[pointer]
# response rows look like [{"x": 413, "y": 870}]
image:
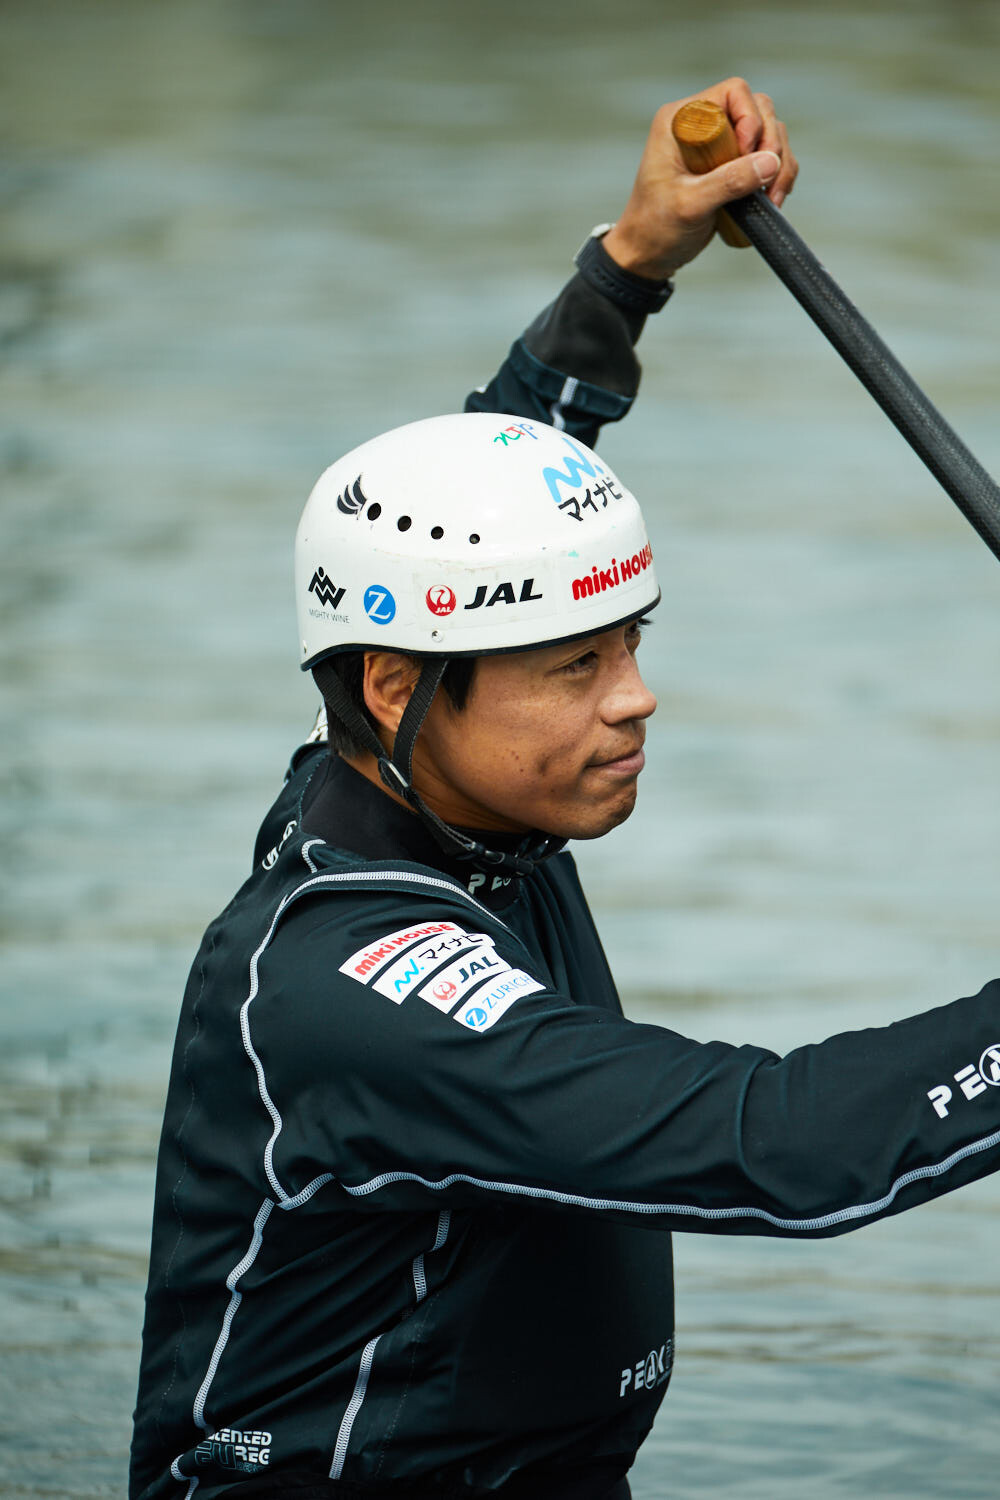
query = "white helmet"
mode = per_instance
[{"x": 468, "y": 535}]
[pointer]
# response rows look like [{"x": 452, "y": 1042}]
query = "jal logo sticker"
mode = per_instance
[
  {"x": 380, "y": 606},
  {"x": 326, "y": 592},
  {"x": 441, "y": 599},
  {"x": 464, "y": 975},
  {"x": 971, "y": 1080},
  {"x": 441, "y": 993},
  {"x": 504, "y": 594},
  {"x": 493, "y": 1001}
]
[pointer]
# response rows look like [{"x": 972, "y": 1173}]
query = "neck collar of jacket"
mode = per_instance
[{"x": 347, "y": 810}]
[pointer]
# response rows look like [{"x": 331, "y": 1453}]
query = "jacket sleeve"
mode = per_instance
[
  {"x": 409, "y": 1098},
  {"x": 574, "y": 367}
]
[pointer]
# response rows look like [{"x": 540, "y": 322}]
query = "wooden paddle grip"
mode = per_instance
[{"x": 707, "y": 140}]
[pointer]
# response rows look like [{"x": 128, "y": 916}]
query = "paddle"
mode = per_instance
[{"x": 706, "y": 140}]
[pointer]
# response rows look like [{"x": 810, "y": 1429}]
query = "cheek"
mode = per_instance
[{"x": 544, "y": 755}]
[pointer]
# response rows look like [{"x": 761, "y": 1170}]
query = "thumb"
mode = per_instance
[
  {"x": 735, "y": 179},
  {"x": 750, "y": 173}
]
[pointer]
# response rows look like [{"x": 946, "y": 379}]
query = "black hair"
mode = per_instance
[{"x": 350, "y": 668}]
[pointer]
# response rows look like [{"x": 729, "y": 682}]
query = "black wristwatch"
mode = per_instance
[{"x": 635, "y": 293}]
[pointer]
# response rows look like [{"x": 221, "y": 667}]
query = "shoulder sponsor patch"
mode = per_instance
[
  {"x": 403, "y": 976},
  {"x": 489, "y": 1003},
  {"x": 459, "y": 973},
  {"x": 367, "y": 961},
  {"x": 455, "y": 982}
]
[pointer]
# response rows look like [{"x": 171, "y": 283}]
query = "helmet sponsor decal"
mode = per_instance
[
  {"x": 583, "y": 498},
  {"x": 353, "y": 499},
  {"x": 575, "y": 506},
  {"x": 380, "y": 606},
  {"x": 598, "y": 580},
  {"x": 325, "y": 591},
  {"x": 491, "y": 1001},
  {"x": 512, "y": 433},
  {"x": 504, "y": 594},
  {"x": 577, "y": 464},
  {"x": 441, "y": 599}
]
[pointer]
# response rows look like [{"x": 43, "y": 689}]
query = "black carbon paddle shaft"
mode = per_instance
[{"x": 962, "y": 477}]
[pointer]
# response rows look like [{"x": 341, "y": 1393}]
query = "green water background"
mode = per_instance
[{"x": 239, "y": 238}]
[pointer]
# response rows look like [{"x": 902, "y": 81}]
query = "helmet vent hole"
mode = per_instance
[
  {"x": 474, "y": 538},
  {"x": 437, "y": 532},
  {"x": 374, "y": 511},
  {"x": 404, "y": 523}
]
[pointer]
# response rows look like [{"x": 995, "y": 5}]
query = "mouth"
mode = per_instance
[{"x": 629, "y": 764}]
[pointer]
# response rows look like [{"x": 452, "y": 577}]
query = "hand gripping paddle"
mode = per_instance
[{"x": 706, "y": 140}]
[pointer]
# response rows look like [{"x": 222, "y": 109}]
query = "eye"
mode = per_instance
[
  {"x": 634, "y": 633},
  {"x": 581, "y": 663}
]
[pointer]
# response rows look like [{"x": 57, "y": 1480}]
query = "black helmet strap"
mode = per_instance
[{"x": 396, "y": 770}]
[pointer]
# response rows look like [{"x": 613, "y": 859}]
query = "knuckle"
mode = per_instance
[{"x": 735, "y": 176}]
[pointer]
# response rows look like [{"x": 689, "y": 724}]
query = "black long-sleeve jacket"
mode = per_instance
[{"x": 418, "y": 1173}]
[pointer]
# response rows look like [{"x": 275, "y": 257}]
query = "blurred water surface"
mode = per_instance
[{"x": 241, "y": 237}]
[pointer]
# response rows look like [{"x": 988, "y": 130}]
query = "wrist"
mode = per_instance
[
  {"x": 636, "y": 258},
  {"x": 620, "y": 283}
]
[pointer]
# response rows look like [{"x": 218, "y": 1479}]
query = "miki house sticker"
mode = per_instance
[{"x": 367, "y": 962}]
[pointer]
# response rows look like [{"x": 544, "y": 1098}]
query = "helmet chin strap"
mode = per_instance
[{"x": 396, "y": 772}]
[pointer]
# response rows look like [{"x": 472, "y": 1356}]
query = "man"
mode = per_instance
[{"x": 417, "y": 1173}]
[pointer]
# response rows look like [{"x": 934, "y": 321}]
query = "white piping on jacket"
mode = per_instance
[
  {"x": 419, "y": 1278},
  {"x": 736, "y": 1211}
]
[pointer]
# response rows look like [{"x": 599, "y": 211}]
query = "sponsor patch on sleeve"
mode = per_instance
[
  {"x": 489, "y": 1003},
  {"x": 459, "y": 973},
  {"x": 367, "y": 962},
  {"x": 465, "y": 974}
]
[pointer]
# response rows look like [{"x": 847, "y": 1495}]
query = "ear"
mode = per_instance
[{"x": 389, "y": 680}]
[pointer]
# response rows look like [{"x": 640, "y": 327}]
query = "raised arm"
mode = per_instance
[{"x": 575, "y": 365}]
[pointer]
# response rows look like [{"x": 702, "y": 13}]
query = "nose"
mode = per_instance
[{"x": 628, "y": 696}]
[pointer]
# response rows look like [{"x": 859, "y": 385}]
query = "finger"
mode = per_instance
[
  {"x": 772, "y": 129},
  {"x": 735, "y": 179},
  {"x": 774, "y": 137},
  {"x": 735, "y": 96},
  {"x": 785, "y": 180},
  {"x": 749, "y": 113}
]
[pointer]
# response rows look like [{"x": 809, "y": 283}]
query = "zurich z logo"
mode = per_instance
[{"x": 380, "y": 606}]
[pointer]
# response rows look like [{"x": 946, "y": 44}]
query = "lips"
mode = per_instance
[{"x": 627, "y": 763}]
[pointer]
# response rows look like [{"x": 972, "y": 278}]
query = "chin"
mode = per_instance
[{"x": 596, "y": 828}]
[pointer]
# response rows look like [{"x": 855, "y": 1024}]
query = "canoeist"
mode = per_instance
[{"x": 418, "y": 1175}]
